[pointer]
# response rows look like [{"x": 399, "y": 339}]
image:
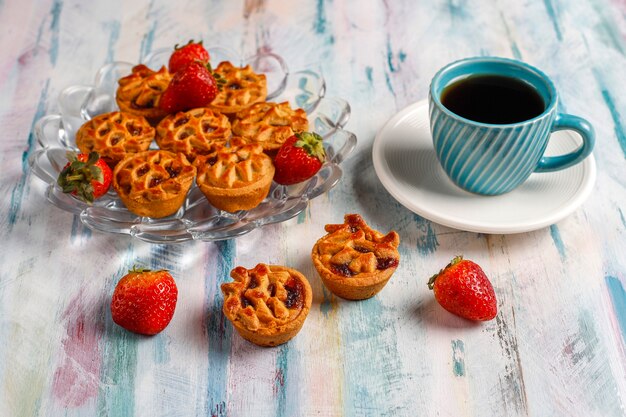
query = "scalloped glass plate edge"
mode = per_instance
[{"x": 327, "y": 114}]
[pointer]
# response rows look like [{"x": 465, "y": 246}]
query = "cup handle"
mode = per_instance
[{"x": 579, "y": 125}]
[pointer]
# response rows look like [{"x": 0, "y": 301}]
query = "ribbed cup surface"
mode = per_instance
[{"x": 489, "y": 159}]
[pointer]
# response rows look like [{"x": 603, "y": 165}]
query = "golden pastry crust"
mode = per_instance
[
  {"x": 236, "y": 177},
  {"x": 267, "y": 304},
  {"x": 194, "y": 132},
  {"x": 355, "y": 261},
  {"x": 153, "y": 183},
  {"x": 270, "y": 124},
  {"x": 140, "y": 92},
  {"x": 242, "y": 88},
  {"x": 115, "y": 134}
]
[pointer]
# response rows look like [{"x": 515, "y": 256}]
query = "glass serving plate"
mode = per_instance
[{"x": 197, "y": 218}]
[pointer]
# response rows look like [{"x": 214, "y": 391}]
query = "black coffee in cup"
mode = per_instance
[{"x": 493, "y": 99}]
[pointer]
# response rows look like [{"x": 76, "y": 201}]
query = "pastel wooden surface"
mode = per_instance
[{"x": 557, "y": 346}]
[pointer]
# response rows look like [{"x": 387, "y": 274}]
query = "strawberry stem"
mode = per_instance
[
  {"x": 454, "y": 261},
  {"x": 178, "y": 46},
  {"x": 312, "y": 143},
  {"x": 138, "y": 269},
  {"x": 431, "y": 281},
  {"x": 77, "y": 176}
]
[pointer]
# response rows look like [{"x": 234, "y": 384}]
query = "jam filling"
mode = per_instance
[
  {"x": 341, "y": 269},
  {"x": 104, "y": 131},
  {"x": 155, "y": 181},
  {"x": 344, "y": 270},
  {"x": 207, "y": 128},
  {"x": 295, "y": 290},
  {"x": 143, "y": 171},
  {"x": 244, "y": 302},
  {"x": 134, "y": 130},
  {"x": 361, "y": 249},
  {"x": 272, "y": 290},
  {"x": 212, "y": 160},
  {"x": 252, "y": 284},
  {"x": 384, "y": 263},
  {"x": 181, "y": 121},
  {"x": 235, "y": 86},
  {"x": 173, "y": 171}
]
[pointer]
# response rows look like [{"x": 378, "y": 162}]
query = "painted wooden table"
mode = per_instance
[{"x": 556, "y": 347}]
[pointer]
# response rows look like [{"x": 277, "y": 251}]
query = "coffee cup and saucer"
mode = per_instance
[{"x": 488, "y": 151}]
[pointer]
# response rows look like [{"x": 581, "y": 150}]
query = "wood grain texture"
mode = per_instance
[{"x": 557, "y": 346}]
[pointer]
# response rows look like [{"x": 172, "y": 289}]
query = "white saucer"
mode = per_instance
[{"x": 406, "y": 164}]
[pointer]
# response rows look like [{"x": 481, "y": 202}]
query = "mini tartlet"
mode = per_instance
[
  {"x": 153, "y": 183},
  {"x": 140, "y": 92},
  {"x": 114, "y": 135},
  {"x": 355, "y": 261},
  {"x": 241, "y": 88},
  {"x": 269, "y": 124},
  {"x": 235, "y": 178},
  {"x": 268, "y": 304},
  {"x": 194, "y": 132}
]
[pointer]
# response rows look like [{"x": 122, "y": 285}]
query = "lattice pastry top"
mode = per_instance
[
  {"x": 270, "y": 124},
  {"x": 243, "y": 87},
  {"x": 354, "y": 250},
  {"x": 234, "y": 167},
  {"x": 267, "y": 304},
  {"x": 115, "y": 134},
  {"x": 140, "y": 92},
  {"x": 194, "y": 132},
  {"x": 153, "y": 183}
]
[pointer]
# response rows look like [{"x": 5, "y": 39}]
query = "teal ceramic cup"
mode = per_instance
[{"x": 493, "y": 159}]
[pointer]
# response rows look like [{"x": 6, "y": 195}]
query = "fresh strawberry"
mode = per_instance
[
  {"x": 186, "y": 54},
  {"x": 144, "y": 301},
  {"x": 463, "y": 289},
  {"x": 191, "y": 87},
  {"x": 299, "y": 158},
  {"x": 86, "y": 176}
]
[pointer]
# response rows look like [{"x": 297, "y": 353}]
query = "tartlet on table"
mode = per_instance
[
  {"x": 267, "y": 304},
  {"x": 355, "y": 261}
]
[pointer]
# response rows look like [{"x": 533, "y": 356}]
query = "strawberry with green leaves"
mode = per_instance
[
  {"x": 85, "y": 176},
  {"x": 191, "y": 87},
  {"x": 186, "y": 54},
  {"x": 144, "y": 301},
  {"x": 299, "y": 158},
  {"x": 463, "y": 289}
]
